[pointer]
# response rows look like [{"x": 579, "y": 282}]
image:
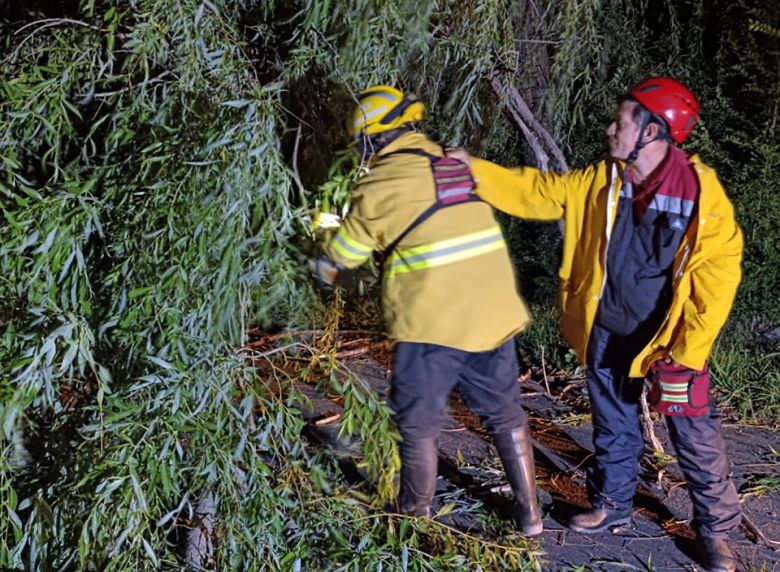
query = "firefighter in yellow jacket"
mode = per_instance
[
  {"x": 650, "y": 268},
  {"x": 449, "y": 297}
]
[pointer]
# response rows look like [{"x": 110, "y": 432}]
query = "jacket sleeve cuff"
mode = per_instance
[{"x": 347, "y": 250}]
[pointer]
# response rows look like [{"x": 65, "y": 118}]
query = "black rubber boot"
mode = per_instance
[
  {"x": 599, "y": 518},
  {"x": 717, "y": 554},
  {"x": 419, "y": 464},
  {"x": 516, "y": 453}
]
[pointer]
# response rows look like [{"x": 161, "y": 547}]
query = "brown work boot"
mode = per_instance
[
  {"x": 599, "y": 518},
  {"x": 717, "y": 554}
]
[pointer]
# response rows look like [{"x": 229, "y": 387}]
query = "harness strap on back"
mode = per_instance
[{"x": 453, "y": 186}]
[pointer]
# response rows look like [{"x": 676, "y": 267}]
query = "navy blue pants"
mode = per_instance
[
  {"x": 619, "y": 445},
  {"x": 424, "y": 375}
]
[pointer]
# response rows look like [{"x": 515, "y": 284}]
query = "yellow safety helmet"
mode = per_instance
[{"x": 382, "y": 108}]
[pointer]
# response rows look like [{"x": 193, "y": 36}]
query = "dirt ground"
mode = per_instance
[{"x": 659, "y": 538}]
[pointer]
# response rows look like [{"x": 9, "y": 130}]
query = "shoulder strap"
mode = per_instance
[
  {"x": 414, "y": 151},
  {"x": 425, "y": 215},
  {"x": 422, "y": 217}
]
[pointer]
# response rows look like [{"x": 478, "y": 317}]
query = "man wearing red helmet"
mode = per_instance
[{"x": 650, "y": 267}]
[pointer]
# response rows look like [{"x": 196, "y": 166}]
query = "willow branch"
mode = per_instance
[
  {"x": 527, "y": 121},
  {"x": 50, "y": 22},
  {"x": 542, "y": 159},
  {"x": 45, "y": 24}
]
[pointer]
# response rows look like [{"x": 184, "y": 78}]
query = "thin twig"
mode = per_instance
[
  {"x": 356, "y": 352},
  {"x": 156, "y": 79},
  {"x": 588, "y": 456},
  {"x": 296, "y": 176},
  {"x": 760, "y": 536},
  {"x": 251, "y": 353},
  {"x": 300, "y": 334},
  {"x": 249, "y": 350},
  {"x": 50, "y": 22},
  {"x": 47, "y": 23},
  {"x": 454, "y": 430},
  {"x": 326, "y": 420},
  {"x": 554, "y": 42},
  {"x": 544, "y": 372},
  {"x": 649, "y": 425},
  {"x": 571, "y": 386},
  {"x": 353, "y": 353}
]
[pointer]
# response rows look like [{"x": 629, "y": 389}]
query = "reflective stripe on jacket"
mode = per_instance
[
  {"x": 444, "y": 252},
  {"x": 707, "y": 267},
  {"x": 350, "y": 248},
  {"x": 450, "y": 281}
]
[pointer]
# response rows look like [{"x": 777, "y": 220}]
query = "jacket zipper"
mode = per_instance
[{"x": 610, "y": 222}]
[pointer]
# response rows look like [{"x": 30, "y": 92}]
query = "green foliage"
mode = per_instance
[
  {"x": 542, "y": 338},
  {"x": 364, "y": 413},
  {"x": 536, "y": 249},
  {"x": 744, "y": 114},
  {"x": 761, "y": 485},
  {"x": 147, "y": 221},
  {"x": 333, "y": 194},
  {"x": 156, "y": 163},
  {"x": 750, "y": 378},
  {"x": 150, "y": 207}
]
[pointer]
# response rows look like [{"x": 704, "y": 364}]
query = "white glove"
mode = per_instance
[{"x": 325, "y": 221}]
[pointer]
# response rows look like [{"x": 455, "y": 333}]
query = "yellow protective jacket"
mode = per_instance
[
  {"x": 706, "y": 271},
  {"x": 450, "y": 281}
]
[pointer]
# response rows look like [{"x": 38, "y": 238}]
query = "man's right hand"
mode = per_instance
[
  {"x": 459, "y": 154},
  {"x": 325, "y": 272}
]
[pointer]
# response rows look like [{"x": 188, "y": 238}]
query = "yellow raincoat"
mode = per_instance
[
  {"x": 450, "y": 281},
  {"x": 707, "y": 266}
]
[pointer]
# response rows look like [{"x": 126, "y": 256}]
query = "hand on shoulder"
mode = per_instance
[{"x": 459, "y": 153}]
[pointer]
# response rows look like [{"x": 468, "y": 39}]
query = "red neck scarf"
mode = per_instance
[{"x": 673, "y": 176}]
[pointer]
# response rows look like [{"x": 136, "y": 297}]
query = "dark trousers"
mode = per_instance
[
  {"x": 424, "y": 375},
  {"x": 619, "y": 445}
]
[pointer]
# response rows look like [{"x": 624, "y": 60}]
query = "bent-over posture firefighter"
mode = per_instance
[{"x": 449, "y": 295}]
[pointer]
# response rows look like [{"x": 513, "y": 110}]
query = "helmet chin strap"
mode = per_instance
[
  {"x": 640, "y": 144},
  {"x": 370, "y": 145},
  {"x": 632, "y": 157}
]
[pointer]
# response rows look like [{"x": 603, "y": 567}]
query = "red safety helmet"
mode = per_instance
[{"x": 671, "y": 100}]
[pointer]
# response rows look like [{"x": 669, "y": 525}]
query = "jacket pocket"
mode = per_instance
[{"x": 660, "y": 240}]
